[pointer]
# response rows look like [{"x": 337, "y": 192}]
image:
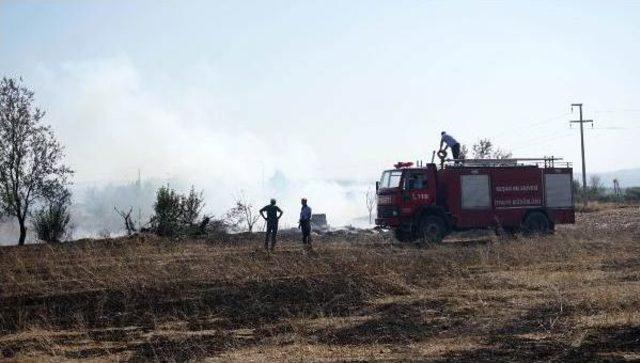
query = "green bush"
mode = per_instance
[
  {"x": 52, "y": 220},
  {"x": 632, "y": 194},
  {"x": 177, "y": 214}
]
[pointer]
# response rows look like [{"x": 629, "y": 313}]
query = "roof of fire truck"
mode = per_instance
[{"x": 544, "y": 162}]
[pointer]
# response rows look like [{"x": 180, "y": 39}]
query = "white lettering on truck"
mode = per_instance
[
  {"x": 517, "y": 202},
  {"x": 516, "y": 188}
]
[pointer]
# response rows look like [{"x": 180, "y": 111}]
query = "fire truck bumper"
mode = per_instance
[
  {"x": 387, "y": 216},
  {"x": 392, "y": 222}
]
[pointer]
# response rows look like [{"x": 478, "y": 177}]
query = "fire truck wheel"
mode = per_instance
[
  {"x": 536, "y": 223},
  {"x": 506, "y": 232},
  {"x": 402, "y": 236},
  {"x": 431, "y": 229}
]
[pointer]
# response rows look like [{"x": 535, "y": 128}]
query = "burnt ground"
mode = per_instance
[{"x": 573, "y": 296}]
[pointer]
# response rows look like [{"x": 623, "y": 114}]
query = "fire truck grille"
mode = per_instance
[{"x": 387, "y": 212}]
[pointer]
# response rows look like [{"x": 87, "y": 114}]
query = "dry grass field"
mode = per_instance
[{"x": 573, "y": 296}]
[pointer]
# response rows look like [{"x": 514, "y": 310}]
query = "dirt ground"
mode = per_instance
[{"x": 573, "y": 296}]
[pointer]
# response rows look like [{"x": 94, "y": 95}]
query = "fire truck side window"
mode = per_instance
[
  {"x": 394, "y": 179},
  {"x": 415, "y": 181}
]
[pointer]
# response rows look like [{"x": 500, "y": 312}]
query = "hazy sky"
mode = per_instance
[{"x": 235, "y": 90}]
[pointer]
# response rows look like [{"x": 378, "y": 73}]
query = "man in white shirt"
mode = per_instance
[{"x": 450, "y": 142}]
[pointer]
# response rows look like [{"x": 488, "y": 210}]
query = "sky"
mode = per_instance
[{"x": 316, "y": 98}]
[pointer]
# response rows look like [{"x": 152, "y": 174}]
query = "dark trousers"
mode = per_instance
[
  {"x": 455, "y": 151},
  {"x": 272, "y": 231},
  {"x": 305, "y": 226}
]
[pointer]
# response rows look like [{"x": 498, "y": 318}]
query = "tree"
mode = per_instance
[
  {"x": 177, "y": 214},
  {"x": 52, "y": 220},
  {"x": 595, "y": 188},
  {"x": 31, "y": 168},
  {"x": 370, "y": 200},
  {"x": 191, "y": 205},
  {"x": 484, "y": 149},
  {"x": 167, "y": 208},
  {"x": 464, "y": 152},
  {"x": 242, "y": 213},
  {"x": 129, "y": 225},
  {"x": 577, "y": 190}
]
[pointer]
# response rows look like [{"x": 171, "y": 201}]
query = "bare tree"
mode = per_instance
[
  {"x": 596, "y": 188},
  {"x": 484, "y": 149},
  {"x": 464, "y": 152},
  {"x": 370, "y": 200},
  {"x": 129, "y": 225},
  {"x": 243, "y": 213},
  {"x": 31, "y": 166},
  {"x": 501, "y": 154},
  {"x": 576, "y": 187}
]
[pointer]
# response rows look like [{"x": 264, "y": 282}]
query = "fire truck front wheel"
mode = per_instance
[
  {"x": 402, "y": 235},
  {"x": 536, "y": 223},
  {"x": 431, "y": 229}
]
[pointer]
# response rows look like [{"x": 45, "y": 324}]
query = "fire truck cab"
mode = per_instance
[{"x": 428, "y": 202}]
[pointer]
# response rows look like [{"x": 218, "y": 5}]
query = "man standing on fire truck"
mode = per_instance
[{"x": 450, "y": 142}]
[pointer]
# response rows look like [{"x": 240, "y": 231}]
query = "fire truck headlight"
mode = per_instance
[{"x": 395, "y": 213}]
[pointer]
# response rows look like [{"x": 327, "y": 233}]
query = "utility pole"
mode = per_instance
[
  {"x": 584, "y": 167},
  {"x": 139, "y": 198}
]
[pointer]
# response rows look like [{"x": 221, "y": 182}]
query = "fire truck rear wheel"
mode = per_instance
[
  {"x": 536, "y": 223},
  {"x": 431, "y": 229}
]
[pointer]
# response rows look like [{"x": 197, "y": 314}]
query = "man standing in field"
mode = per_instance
[
  {"x": 273, "y": 214},
  {"x": 305, "y": 223},
  {"x": 450, "y": 142}
]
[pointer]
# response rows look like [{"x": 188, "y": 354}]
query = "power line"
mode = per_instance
[
  {"x": 620, "y": 110},
  {"x": 534, "y": 125},
  {"x": 541, "y": 141},
  {"x": 547, "y": 120},
  {"x": 533, "y": 142}
]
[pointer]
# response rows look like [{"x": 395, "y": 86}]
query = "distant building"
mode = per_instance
[{"x": 319, "y": 221}]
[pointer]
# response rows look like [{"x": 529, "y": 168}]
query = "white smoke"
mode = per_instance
[{"x": 115, "y": 124}]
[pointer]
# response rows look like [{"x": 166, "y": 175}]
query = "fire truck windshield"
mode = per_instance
[{"x": 390, "y": 179}]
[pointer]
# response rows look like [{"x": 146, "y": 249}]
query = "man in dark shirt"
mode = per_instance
[
  {"x": 305, "y": 223},
  {"x": 273, "y": 214}
]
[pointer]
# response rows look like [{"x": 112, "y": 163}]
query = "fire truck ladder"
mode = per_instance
[{"x": 546, "y": 162}]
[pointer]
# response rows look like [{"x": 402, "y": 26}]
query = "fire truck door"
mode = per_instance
[{"x": 418, "y": 191}]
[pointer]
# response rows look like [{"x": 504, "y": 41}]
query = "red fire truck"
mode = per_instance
[{"x": 429, "y": 201}]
